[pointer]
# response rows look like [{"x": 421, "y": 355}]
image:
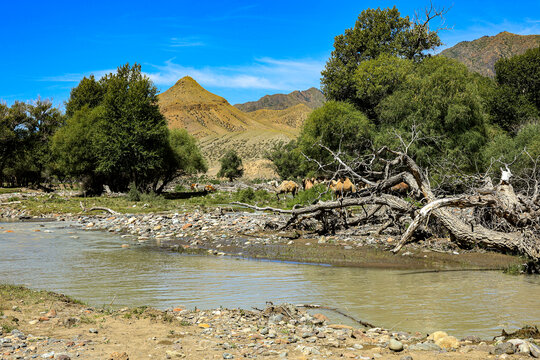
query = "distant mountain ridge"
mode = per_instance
[
  {"x": 312, "y": 98},
  {"x": 480, "y": 55}
]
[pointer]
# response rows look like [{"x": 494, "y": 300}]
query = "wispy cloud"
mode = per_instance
[
  {"x": 185, "y": 42},
  {"x": 263, "y": 73}
]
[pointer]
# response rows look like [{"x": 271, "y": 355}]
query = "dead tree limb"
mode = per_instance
[{"x": 100, "y": 208}]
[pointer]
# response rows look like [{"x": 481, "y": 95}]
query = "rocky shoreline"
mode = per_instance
[
  {"x": 50, "y": 326},
  {"x": 223, "y": 232}
]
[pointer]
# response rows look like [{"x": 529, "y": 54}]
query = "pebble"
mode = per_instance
[
  {"x": 93, "y": 331},
  {"x": 395, "y": 345},
  {"x": 228, "y": 356}
]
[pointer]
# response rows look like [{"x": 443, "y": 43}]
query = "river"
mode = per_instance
[{"x": 93, "y": 267}]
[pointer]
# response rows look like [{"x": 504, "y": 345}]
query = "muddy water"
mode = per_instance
[{"x": 92, "y": 266}]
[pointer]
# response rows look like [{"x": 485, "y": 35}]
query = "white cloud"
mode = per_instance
[
  {"x": 263, "y": 73},
  {"x": 185, "y": 42}
]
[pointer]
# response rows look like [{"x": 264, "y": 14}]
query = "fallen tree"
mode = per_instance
[{"x": 515, "y": 218}]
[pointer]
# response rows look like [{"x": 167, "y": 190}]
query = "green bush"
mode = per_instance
[{"x": 133, "y": 194}]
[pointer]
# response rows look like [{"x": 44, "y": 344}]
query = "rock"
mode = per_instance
[
  {"x": 204, "y": 326},
  {"x": 93, "y": 331},
  {"x": 320, "y": 318},
  {"x": 264, "y": 331},
  {"x": 49, "y": 355},
  {"x": 437, "y": 335},
  {"x": 125, "y": 246},
  {"x": 535, "y": 350},
  {"x": 472, "y": 338},
  {"x": 188, "y": 225},
  {"x": 228, "y": 356},
  {"x": 427, "y": 346},
  {"x": 33, "y": 322},
  {"x": 395, "y": 345},
  {"x": 118, "y": 356},
  {"x": 406, "y": 357},
  {"x": 51, "y": 313},
  {"x": 62, "y": 357},
  {"x": 524, "y": 348},
  {"x": 174, "y": 354},
  {"x": 275, "y": 318},
  {"x": 448, "y": 342},
  {"x": 504, "y": 348}
]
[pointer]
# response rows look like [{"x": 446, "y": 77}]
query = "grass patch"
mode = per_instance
[
  {"x": 31, "y": 297},
  {"x": 9, "y": 190},
  {"x": 6, "y": 328},
  {"x": 515, "y": 269},
  {"x": 87, "y": 320}
]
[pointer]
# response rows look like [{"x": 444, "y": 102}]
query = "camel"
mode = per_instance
[
  {"x": 209, "y": 188},
  {"x": 400, "y": 188},
  {"x": 286, "y": 186},
  {"x": 342, "y": 187},
  {"x": 309, "y": 183}
]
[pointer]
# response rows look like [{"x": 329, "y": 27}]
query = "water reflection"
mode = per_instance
[{"x": 95, "y": 269}]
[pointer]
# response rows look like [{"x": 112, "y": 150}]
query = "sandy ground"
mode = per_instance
[{"x": 52, "y": 326}]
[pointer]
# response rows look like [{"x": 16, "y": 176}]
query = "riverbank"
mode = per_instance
[
  {"x": 40, "y": 324},
  {"x": 222, "y": 230}
]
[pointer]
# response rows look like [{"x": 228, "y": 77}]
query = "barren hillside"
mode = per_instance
[
  {"x": 481, "y": 54},
  {"x": 220, "y": 126}
]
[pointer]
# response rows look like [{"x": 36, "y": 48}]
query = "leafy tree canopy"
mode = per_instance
[
  {"x": 442, "y": 99},
  {"x": 25, "y": 131},
  {"x": 118, "y": 135},
  {"x": 340, "y": 127},
  {"x": 231, "y": 166},
  {"x": 288, "y": 160},
  {"x": 376, "y": 32}
]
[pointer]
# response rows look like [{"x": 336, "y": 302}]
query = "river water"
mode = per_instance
[{"x": 93, "y": 267}]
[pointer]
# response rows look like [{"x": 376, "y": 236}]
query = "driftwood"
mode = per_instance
[
  {"x": 514, "y": 228},
  {"x": 313, "y": 306},
  {"x": 99, "y": 208}
]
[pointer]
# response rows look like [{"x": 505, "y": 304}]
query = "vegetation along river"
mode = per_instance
[{"x": 93, "y": 267}]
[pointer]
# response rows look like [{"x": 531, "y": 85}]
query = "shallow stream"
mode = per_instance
[{"x": 93, "y": 267}]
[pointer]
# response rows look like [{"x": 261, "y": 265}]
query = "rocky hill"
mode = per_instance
[
  {"x": 481, "y": 54},
  {"x": 219, "y": 126},
  {"x": 312, "y": 98}
]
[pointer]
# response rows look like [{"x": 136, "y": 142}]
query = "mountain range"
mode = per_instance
[
  {"x": 254, "y": 127},
  {"x": 312, "y": 98},
  {"x": 219, "y": 126},
  {"x": 480, "y": 55}
]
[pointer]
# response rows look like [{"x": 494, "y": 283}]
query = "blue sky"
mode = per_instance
[{"x": 240, "y": 50}]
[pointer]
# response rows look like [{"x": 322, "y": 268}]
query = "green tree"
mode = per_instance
[
  {"x": 376, "y": 32},
  {"x": 443, "y": 100},
  {"x": 123, "y": 139},
  {"x": 231, "y": 166},
  {"x": 75, "y": 149},
  {"x": 375, "y": 79},
  {"x": 25, "y": 132},
  {"x": 340, "y": 127},
  {"x": 288, "y": 160},
  {"x": 183, "y": 158},
  {"x": 521, "y": 73},
  {"x": 515, "y": 100}
]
